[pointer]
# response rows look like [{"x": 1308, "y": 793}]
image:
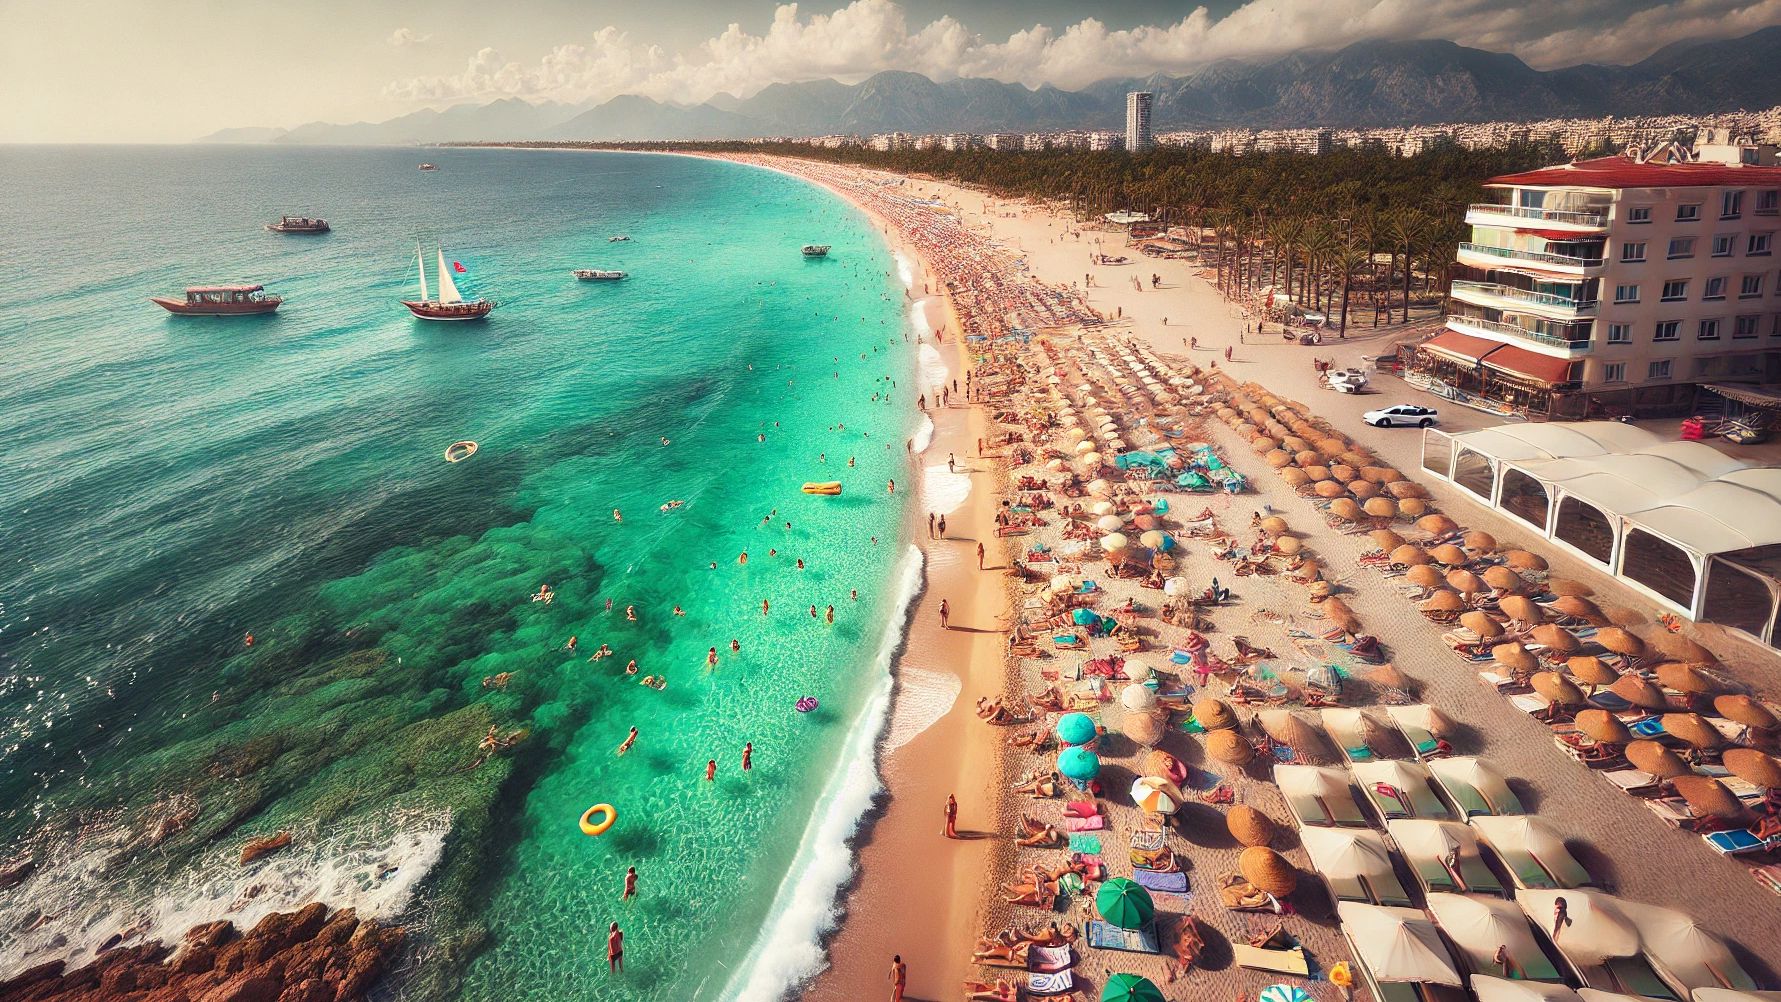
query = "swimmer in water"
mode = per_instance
[
  {"x": 617, "y": 516},
  {"x": 678, "y": 611},
  {"x": 800, "y": 563},
  {"x": 630, "y": 873},
  {"x": 631, "y": 669},
  {"x": 603, "y": 652},
  {"x": 892, "y": 487},
  {"x": 829, "y": 616},
  {"x": 630, "y": 739},
  {"x": 773, "y": 551},
  {"x": 631, "y": 613},
  {"x": 853, "y": 594},
  {"x": 735, "y": 646},
  {"x": 711, "y": 659},
  {"x": 813, "y": 612},
  {"x": 763, "y": 607},
  {"x": 743, "y": 559}
]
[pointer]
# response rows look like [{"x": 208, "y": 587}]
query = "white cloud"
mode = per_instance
[
  {"x": 868, "y": 36},
  {"x": 404, "y": 37}
]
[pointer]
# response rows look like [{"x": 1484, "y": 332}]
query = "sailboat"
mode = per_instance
[{"x": 450, "y": 305}]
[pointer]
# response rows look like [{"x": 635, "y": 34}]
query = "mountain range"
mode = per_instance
[{"x": 1365, "y": 84}]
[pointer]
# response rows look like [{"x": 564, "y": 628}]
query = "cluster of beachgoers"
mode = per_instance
[{"x": 1229, "y": 760}]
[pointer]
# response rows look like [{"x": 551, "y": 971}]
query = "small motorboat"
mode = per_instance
[
  {"x": 220, "y": 301},
  {"x": 815, "y": 250},
  {"x": 298, "y": 224},
  {"x": 599, "y": 275},
  {"x": 621, "y": 238},
  {"x": 428, "y": 167},
  {"x": 457, "y": 452}
]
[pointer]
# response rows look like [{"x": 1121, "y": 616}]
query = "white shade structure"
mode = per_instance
[
  {"x": 1083, "y": 446},
  {"x": 1355, "y": 863},
  {"x": 1493, "y": 989},
  {"x": 1477, "y": 925},
  {"x": 1474, "y": 787},
  {"x": 1595, "y": 930},
  {"x": 1533, "y": 851},
  {"x": 1734, "y": 995},
  {"x": 1318, "y": 796},
  {"x": 1682, "y": 951},
  {"x": 1444, "y": 855},
  {"x": 1399, "y": 789},
  {"x": 1397, "y": 944}
]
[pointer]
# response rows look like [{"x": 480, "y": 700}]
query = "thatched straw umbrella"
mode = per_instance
[
  {"x": 1449, "y": 555},
  {"x": 1229, "y": 747},
  {"x": 1651, "y": 757},
  {"x": 1568, "y": 586},
  {"x": 1639, "y": 692},
  {"x": 1600, "y": 725},
  {"x": 1310, "y": 572},
  {"x": 1295, "y": 444},
  {"x": 1355, "y": 459},
  {"x": 1436, "y": 524},
  {"x": 1294, "y": 477},
  {"x": 1331, "y": 447},
  {"x": 1514, "y": 657},
  {"x": 1677, "y": 647},
  {"x": 1521, "y": 609},
  {"x": 1619, "y": 641},
  {"x": 1406, "y": 490},
  {"x": 1410, "y": 554},
  {"x": 1465, "y": 582},
  {"x": 1411, "y": 507},
  {"x": 1306, "y": 739},
  {"x": 1317, "y": 473},
  {"x": 1522, "y": 560},
  {"x": 1213, "y": 713},
  {"x": 1444, "y": 602},
  {"x": 1307, "y": 458},
  {"x": 1249, "y": 826},
  {"x": 1479, "y": 622},
  {"x": 1263, "y": 444},
  {"x": 1342, "y": 472},
  {"x": 1692, "y": 728},
  {"x": 1289, "y": 545},
  {"x": 1278, "y": 459},
  {"x": 1686, "y": 678},
  {"x": 1745, "y": 710},
  {"x": 1502, "y": 578},
  {"x": 1479, "y": 541},
  {"x": 1329, "y": 489},
  {"x": 1560, "y": 690},
  {"x": 1578, "y": 607},
  {"x": 1706, "y": 796},
  {"x": 1345, "y": 509},
  {"x": 1144, "y": 728},
  {"x": 1341, "y": 617},
  {"x": 1386, "y": 539},
  {"x": 1753, "y": 766},
  {"x": 1267, "y": 870},
  {"x": 1363, "y": 489},
  {"x": 1274, "y": 525},
  {"x": 1380, "y": 507},
  {"x": 1590, "y": 671},
  {"x": 1556, "y": 639}
]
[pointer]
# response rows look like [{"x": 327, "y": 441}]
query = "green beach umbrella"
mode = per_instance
[
  {"x": 1079, "y": 763},
  {"x": 1124, "y": 903},
  {"x": 1076, "y": 728},
  {"x": 1130, "y": 988}
]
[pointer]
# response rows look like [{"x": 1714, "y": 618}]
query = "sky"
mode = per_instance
[{"x": 173, "y": 70}]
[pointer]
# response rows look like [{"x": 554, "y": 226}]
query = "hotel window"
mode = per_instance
[
  {"x": 1658, "y": 370},
  {"x": 1750, "y": 287},
  {"x": 1668, "y": 330},
  {"x": 1632, "y": 252},
  {"x": 1688, "y": 213},
  {"x": 1620, "y": 333},
  {"x": 1639, "y": 214},
  {"x": 1759, "y": 244},
  {"x": 1682, "y": 247},
  {"x": 1731, "y": 205},
  {"x": 1768, "y": 202},
  {"x": 1709, "y": 330},
  {"x": 1675, "y": 290},
  {"x": 1614, "y": 372},
  {"x": 1747, "y": 327},
  {"x": 1626, "y": 293},
  {"x": 1724, "y": 244},
  {"x": 1715, "y": 288}
]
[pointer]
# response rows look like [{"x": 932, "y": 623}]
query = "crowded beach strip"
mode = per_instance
[{"x": 1214, "y": 771}]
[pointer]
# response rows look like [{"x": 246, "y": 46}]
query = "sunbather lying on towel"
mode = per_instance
[
  {"x": 1010, "y": 955},
  {"x": 1050, "y": 700},
  {"x": 1039, "y": 897},
  {"x": 1045, "y": 838},
  {"x": 1188, "y": 944},
  {"x": 1051, "y": 935},
  {"x": 1238, "y": 893},
  {"x": 979, "y": 991},
  {"x": 1036, "y": 740},
  {"x": 1040, "y": 786}
]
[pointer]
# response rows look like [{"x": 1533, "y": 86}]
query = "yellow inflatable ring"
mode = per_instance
[{"x": 591, "y": 828}]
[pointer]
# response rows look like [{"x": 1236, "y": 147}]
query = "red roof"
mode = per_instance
[
  {"x": 1461, "y": 345},
  {"x": 1623, "y": 172},
  {"x": 1522, "y": 362}
]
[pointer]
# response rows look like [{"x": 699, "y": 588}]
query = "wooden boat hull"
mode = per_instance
[
  {"x": 180, "y": 307},
  {"x": 275, "y": 228},
  {"x": 456, "y": 311}
]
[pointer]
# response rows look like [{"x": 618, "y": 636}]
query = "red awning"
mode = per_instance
[
  {"x": 1529, "y": 364},
  {"x": 1564, "y": 235},
  {"x": 1464, "y": 347}
]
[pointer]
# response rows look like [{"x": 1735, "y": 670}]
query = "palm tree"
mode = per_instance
[
  {"x": 1408, "y": 230},
  {"x": 1349, "y": 256}
]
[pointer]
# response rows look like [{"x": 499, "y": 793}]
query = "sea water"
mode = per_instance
[{"x": 171, "y": 485}]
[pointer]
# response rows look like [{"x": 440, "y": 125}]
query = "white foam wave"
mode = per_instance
[
  {"x": 924, "y": 435},
  {"x": 805, "y": 908},
  {"x": 942, "y": 491},
  {"x": 374, "y": 869},
  {"x": 923, "y": 697},
  {"x": 934, "y": 373},
  {"x": 905, "y": 269}
]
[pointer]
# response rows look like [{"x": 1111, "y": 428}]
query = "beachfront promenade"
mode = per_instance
[{"x": 930, "y": 899}]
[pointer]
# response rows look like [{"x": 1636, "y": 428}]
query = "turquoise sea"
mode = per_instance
[{"x": 170, "y": 485}]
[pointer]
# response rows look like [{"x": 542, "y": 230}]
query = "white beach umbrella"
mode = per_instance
[
  {"x": 1091, "y": 460},
  {"x": 1101, "y": 508},
  {"x": 1155, "y": 794},
  {"x": 1084, "y": 446},
  {"x": 1063, "y": 583},
  {"x": 1054, "y": 380},
  {"x": 1100, "y": 488},
  {"x": 1075, "y": 434},
  {"x": 1152, "y": 539},
  {"x": 1114, "y": 542},
  {"x": 1055, "y": 465},
  {"x": 1110, "y": 523},
  {"x": 1116, "y": 444},
  {"x": 1137, "y": 696},
  {"x": 1174, "y": 587}
]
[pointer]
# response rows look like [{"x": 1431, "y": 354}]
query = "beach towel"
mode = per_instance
[
  {"x": 1107, "y": 936},
  {"x": 1091, "y": 824},
  {"x": 1090, "y": 844},
  {"x": 1049, "y": 959},
  {"x": 1159, "y": 881},
  {"x": 1081, "y": 809},
  {"x": 1060, "y": 983}
]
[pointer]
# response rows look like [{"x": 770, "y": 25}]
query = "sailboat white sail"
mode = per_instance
[
  {"x": 448, "y": 290},
  {"x": 420, "y": 262}
]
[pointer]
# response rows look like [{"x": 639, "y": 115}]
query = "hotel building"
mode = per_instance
[
  {"x": 1137, "y": 121},
  {"x": 1616, "y": 284}
]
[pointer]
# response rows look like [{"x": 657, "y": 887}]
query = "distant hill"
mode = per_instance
[{"x": 1366, "y": 84}]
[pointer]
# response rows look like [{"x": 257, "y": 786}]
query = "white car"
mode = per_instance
[{"x": 1402, "y": 414}]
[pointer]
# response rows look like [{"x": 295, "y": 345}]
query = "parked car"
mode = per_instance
[{"x": 1402, "y": 414}]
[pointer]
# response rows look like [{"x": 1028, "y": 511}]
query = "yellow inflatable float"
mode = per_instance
[
  {"x": 607, "y": 816},
  {"x": 825, "y": 487}
]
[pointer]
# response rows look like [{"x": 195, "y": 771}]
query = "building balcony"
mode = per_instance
[
  {"x": 1487, "y": 256},
  {"x": 1490, "y": 214},
  {"x": 1496, "y": 330},
  {"x": 1508, "y": 297}
]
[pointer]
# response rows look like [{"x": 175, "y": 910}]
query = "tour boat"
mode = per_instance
[
  {"x": 621, "y": 238},
  {"x": 220, "y": 301},
  {"x": 298, "y": 224},
  {"x": 428, "y": 167},
  {"x": 816, "y": 250},
  {"x": 597, "y": 275},
  {"x": 451, "y": 304}
]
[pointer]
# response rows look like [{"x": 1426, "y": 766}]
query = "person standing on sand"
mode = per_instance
[
  {"x": 930, "y": 525},
  {"x": 945, "y": 611},
  {"x": 615, "y": 950},
  {"x": 952, "y": 816},
  {"x": 630, "y": 884},
  {"x": 943, "y": 527},
  {"x": 980, "y": 556},
  {"x": 899, "y": 975}
]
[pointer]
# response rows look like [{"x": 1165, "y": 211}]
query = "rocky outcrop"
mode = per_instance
[{"x": 307, "y": 955}]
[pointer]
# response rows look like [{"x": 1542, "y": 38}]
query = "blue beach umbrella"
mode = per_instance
[
  {"x": 1085, "y": 617},
  {"x": 1076, "y": 728},
  {"x": 1284, "y": 993},
  {"x": 1079, "y": 764}
]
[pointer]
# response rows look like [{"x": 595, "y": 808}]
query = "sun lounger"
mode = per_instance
[
  {"x": 1399, "y": 790},
  {"x": 1049, "y": 959},
  {"x": 1060, "y": 983},
  {"x": 1159, "y": 881},
  {"x": 1529, "y": 702},
  {"x": 1635, "y": 976},
  {"x": 1612, "y": 702},
  {"x": 1276, "y": 961},
  {"x": 1107, "y": 936},
  {"x": 1740, "y": 841},
  {"x": 1149, "y": 839},
  {"x": 1633, "y": 781}
]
